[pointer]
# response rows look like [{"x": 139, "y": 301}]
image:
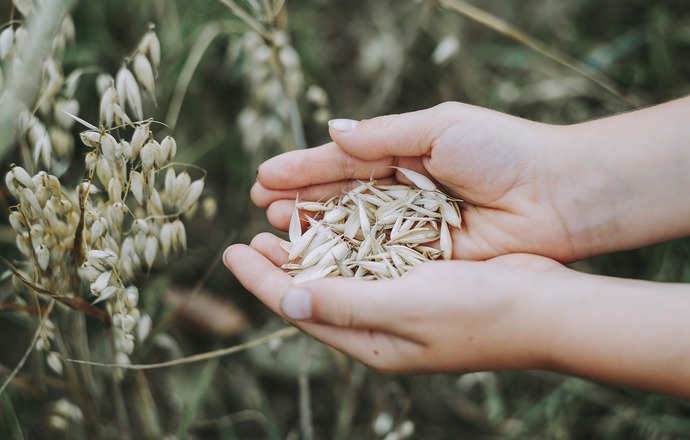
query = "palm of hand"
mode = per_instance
[
  {"x": 500, "y": 174},
  {"x": 508, "y": 199}
]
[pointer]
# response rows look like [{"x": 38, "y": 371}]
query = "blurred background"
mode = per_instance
[{"x": 242, "y": 81}]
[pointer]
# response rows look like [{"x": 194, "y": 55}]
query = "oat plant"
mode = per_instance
[{"x": 84, "y": 245}]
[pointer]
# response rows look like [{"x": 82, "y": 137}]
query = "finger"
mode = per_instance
[
  {"x": 313, "y": 166},
  {"x": 279, "y": 214},
  {"x": 257, "y": 274},
  {"x": 262, "y": 196},
  {"x": 348, "y": 303},
  {"x": 269, "y": 246},
  {"x": 406, "y": 134}
]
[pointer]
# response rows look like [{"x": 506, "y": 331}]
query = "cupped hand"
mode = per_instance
[
  {"x": 441, "y": 316},
  {"x": 498, "y": 164}
]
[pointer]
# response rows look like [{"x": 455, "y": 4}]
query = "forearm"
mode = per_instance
[
  {"x": 633, "y": 333},
  {"x": 625, "y": 180}
]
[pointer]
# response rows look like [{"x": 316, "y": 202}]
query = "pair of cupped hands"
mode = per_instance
[{"x": 534, "y": 198}]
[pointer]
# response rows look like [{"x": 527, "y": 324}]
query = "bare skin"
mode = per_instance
[{"x": 562, "y": 193}]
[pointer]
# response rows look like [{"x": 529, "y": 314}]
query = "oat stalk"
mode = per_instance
[
  {"x": 279, "y": 334},
  {"x": 505, "y": 28}
]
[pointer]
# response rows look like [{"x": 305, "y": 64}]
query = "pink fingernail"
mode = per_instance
[
  {"x": 296, "y": 304},
  {"x": 343, "y": 125}
]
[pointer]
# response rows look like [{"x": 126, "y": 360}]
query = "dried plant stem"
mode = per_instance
[
  {"x": 28, "y": 351},
  {"x": 146, "y": 409},
  {"x": 77, "y": 336},
  {"x": 22, "y": 88},
  {"x": 282, "y": 333},
  {"x": 347, "y": 410},
  {"x": 70, "y": 301},
  {"x": 119, "y": 404},
  {"x": 296, "y": 123},
  {"x": 306, "y": 423},
  {"x": 81, "y": 388},
  {"x": 504, "y": 28},
  {"x": 247, "y": 415},
  {"x": 250, "y": 21},
  {"x": 210, "y": 32}
]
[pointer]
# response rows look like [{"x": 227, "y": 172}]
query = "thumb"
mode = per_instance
[
  {"x": 343, "y": 302},
  {"x": 405, "y": 134}
]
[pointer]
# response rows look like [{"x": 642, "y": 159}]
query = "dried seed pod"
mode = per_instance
[
  {"x": 168, "y": 149},
  {"x": 6, "y": 42},
  {"x": 419, "y": 180},
  {"x": 148, "y": 156},
  {"x": 144, "y": 326},
  {"x": 150, "y": 251},
  {"x": 107, "y": 293},
  {"x": 181, "y": 186},
  {"x": 192, "y": 195},
  {"x": 406, "y": 219},
  {"x": 131, "y": 296},
  {"x": 91, "y": 138},
  {"x": 155, "y": 204},
  {"x": 166, "y": 238},
  {"x": 144, "y": 73},
  {"x": 54, "y": 362},
  {"x": 150, "y": 45},
  {"x": 136, "y": 185},
  {"x": 42, "y": 257},
  {"x": 128, "y": 92},
  {"x": 295, "y": 229},
  {"x": 17, "y": 221},
  {"x": 88, "y": 272},
  {"x": 98, "y": 228},
  {"x": 22, "y": 176},
  {"x": 180, "y": 234},
  {"x": 139, "y": 138},
  {"x": 450, "y": 214},
  {"x": 100, "y": 283},
  {"x": 107, "y": 113},
  {"x": 446, "y": 241}
]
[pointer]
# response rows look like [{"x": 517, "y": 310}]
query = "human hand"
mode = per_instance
[
  {"x": 497, "y": 163},
  {"x": 564, "y": 192},
  {"x": 441, "y": 316},
  {"x": 513, "y": 312}
]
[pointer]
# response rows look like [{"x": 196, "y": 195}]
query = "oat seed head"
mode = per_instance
[{"x": 128, "y": 207}]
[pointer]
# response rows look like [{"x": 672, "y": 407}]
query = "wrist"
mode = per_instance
[
  {"x": 621, "y": 182},
  {"x": 617, "y": 330},
  {"x": 581, "y": 190}
]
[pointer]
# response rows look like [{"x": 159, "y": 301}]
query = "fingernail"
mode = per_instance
[
  {"x": 296, "y": 304},
  {"x": 343, "y": 125},
  {"x": 226, "y": 255}
]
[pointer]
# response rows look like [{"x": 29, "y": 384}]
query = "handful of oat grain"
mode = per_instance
[{"x": 372, "y": 232}]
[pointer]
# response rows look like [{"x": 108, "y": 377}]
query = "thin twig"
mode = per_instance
[
  {"x": 28, "y": 351},
  {"x": 305, "y": 417},
  {"x": 197, "y": 52},
  {"x": 247, "y": 19},
  {"x": 73, "y": 302},
  {"x": 349, "y": 402},
  {"x": 282, "y": 333},
  {"x": 504, "y": 28}
]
